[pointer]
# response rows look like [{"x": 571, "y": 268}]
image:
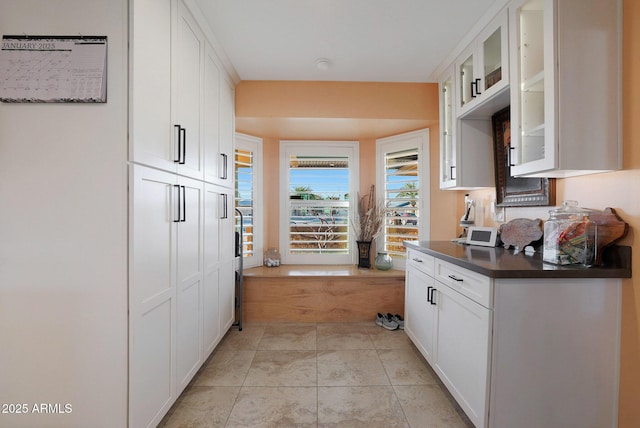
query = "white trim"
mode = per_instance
[
  {"x": 315, "y": 148},
  {"x": 415, "y": 139},
  {"x": 254, "y": 145}
]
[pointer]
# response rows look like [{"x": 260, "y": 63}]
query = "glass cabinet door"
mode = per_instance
[
  {"x": 492, "y": 57},
  {"x": 468, "y": 81},
  {"x": 447, "y": 137},
  {"x": 528, "y": 110}
]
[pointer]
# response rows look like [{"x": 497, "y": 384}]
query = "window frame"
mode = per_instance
[
  {"x": 410, "y": 140},
  {"x": 316, "y": 148},
  {"x": 254, "y": 145}
]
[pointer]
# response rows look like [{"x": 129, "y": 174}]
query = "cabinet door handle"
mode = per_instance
[
  {"x": 473, "y": 92},
  {"x": 176, "y": 207},
  {"x": 184, "y": 204},
  {"x": 225, "y": 213},
  {"x": 183, "y": 133},
  {"x": 509, "y": 161},
  {"x": 478, "y": 86},
  {"x": 224, "y": 165},
  {"x": 431, "y": 296},
  {"x": 429, "y": 288},
  {"x": 177, "y": 145},
  {"x": 451, "y": 175},
  {"x": 456, "y": 278}
]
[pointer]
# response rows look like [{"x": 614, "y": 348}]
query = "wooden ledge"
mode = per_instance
[{"x": 316, "y": 271}]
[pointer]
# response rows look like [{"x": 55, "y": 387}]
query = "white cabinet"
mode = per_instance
[
  {"x": 565, "y": 97},
  {"x": 182, "y": 103},
  {"x": 181, "y": 266},
  {"x": 483, "y": 68},
  {"x": 452, "y": 331},
  {"x": 525, "y": 352},
  {"x": 420, "y": 314}
]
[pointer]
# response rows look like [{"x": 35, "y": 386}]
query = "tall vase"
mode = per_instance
[{"x": 364, "y": 254}]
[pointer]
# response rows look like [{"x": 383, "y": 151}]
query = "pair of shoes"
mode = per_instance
[
  {"x": 386, "y": 321},
  {"x": 398, "y": 319}
]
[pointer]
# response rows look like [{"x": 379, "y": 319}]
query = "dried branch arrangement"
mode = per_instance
[{"x": 370, "y": 217}]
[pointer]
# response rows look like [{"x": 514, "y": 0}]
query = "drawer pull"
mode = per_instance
[
  {"x": 417, "y": 260},
  {"x": 456, "y": 278}
]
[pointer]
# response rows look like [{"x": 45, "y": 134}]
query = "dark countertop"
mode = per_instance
[{"x": 499, "y": 262}]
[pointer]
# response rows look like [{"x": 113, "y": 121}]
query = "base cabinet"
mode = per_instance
[{"x": 518, "y": 352}]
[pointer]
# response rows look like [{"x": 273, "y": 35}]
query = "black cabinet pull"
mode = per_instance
[
  {"x": 451, "y": 175},
  {"x": 478, "y": 86},
  {"x": 184, "y": 204},
  {"x": 429, "y": 288},
  {"x": 183, "y": 132},
  {"x": 176, "y": 218},
  {"x": 225, "y": 213},
  {"x": 433, "y": 291},
  {"x": 225, "y": 167},
  {"x": 456, "y": 278},
  {"x": 473, "y": 92},
  {"x": 509, "y": 161},
  {"x": 177, "y": 145}
]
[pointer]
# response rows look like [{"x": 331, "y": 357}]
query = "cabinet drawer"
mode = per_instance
[
  {"x": 478, "y": 288},
  {"x": 421, "y": 261}
]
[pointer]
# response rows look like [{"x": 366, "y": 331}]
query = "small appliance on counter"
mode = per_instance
[{"x": 467, "y": 219}]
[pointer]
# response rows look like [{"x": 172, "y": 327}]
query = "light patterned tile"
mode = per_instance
[
  {"x": 385, "y": 339},
  {"x": 344, "y": 336},
  {"x": 226, "y": 367},
  {"x": 289, "y": 336},
  {"x": 279, "y": 407},
  {"x": 406, "y": 367},
  {"x": 354, "y": 407},
  {"x": 350, "y": 368},
  {"x": 247, "y": 339},
  {"x": 283, "y": 368},
  {"x": 202, "y": 407},
  {"x": 428, "y": 406}
]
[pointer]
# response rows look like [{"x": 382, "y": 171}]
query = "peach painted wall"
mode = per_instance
[{"x": 412, "y": 105}]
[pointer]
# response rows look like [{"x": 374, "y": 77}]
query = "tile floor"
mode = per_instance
[{"x": 315, "y": 375}]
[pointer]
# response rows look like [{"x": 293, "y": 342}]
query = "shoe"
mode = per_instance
[
  {"x": 398, "y": 319},
  {"x": 386, "y": 321}
]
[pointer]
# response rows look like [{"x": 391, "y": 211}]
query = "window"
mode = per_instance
[
  {"x": 248, "y": 197},
  {"x": 318, "y": 179},
  {"x": 403, "y": 171}
]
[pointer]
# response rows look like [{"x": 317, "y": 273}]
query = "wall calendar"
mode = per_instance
[{"x": 53, "y": 69}]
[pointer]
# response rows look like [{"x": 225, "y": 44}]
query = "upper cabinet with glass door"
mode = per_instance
[
  {"x": 565, "y": 87},
  {"x": 448, "y": 162},
  {"x": 483, "y": 69}
]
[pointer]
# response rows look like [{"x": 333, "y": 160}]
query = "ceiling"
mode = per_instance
[{"x": 361, "y": 40}]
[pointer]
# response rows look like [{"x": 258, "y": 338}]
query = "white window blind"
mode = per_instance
[
  {"x": 319, "y": 205},
  {"x": 402, "y": 197},
  {"x": 244, "y": 198}
]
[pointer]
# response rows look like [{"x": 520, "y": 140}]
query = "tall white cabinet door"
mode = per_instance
[
  {"x": 150, "y": 83},
  {"x": 419, "y": 312},
  {"x": 210, "y": 302},
  {"x": 214, "y": 166},
  {"x": 462, "y": 351},
  {"x": 187, "y": 86},
  {"x": 152, "y": 296},
  {"x": 227, "y": 260},
  {"x": 189, "y": 280},
  {"x": 227, "y": 131}
]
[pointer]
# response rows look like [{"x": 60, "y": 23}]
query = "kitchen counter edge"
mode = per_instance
[{"x": 498, "y": 262}]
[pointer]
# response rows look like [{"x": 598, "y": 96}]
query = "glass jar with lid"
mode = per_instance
[{"x": 569, "y": 236}]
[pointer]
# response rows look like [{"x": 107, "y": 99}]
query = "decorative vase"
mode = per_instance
[
  {"x": 364, "y": 254},
  {"x": 383, "y": 261}
]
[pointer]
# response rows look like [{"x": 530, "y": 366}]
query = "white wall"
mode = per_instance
[{"x": 63, "y": 234}]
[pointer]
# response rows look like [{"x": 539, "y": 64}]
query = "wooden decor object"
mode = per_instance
[
  {"x": 610, "y": 228},
  {"x": 520, "y": 232}
]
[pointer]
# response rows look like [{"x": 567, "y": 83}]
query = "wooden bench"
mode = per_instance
[{"x": 321, "y": 293}]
